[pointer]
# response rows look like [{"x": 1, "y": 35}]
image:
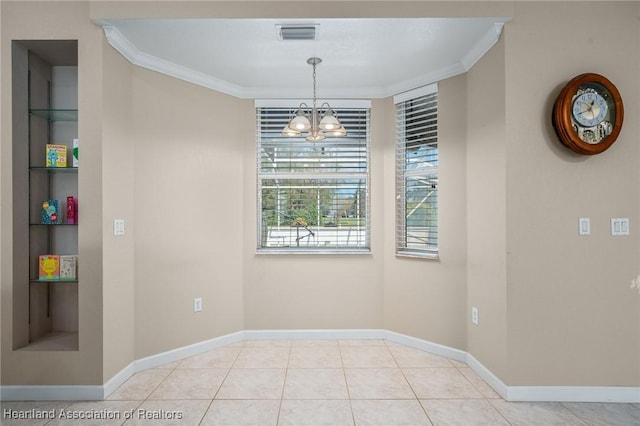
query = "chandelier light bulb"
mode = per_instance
[
  {"x": 329, "y": 121},
  {"x": 287, "y": 131},
  {"x": 300, "y": 122},
  {"x": 341, "y": 131}
]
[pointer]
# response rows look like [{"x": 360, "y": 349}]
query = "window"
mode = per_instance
[
  {"x": 417, "y": 172},
  {"x": 313, "y": 196}
]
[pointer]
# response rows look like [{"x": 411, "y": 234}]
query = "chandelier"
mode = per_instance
[{"x": 317, "y": 122}]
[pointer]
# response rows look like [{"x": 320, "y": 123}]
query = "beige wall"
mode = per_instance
[
  {"x": 118, "y": 202},
  {"x": 427, "y": 298},
  {"x": 572, "y": 316},
  {"x": 554, "y": 308},
  {"x": 486, "y": 210},
  {"x": 314, "y": 291},
  {"x": 189, "y": 145}
]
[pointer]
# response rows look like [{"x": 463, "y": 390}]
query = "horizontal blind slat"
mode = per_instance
[
  {"x": 313, "y": 195},
  {"x": 417, "y": 175}
]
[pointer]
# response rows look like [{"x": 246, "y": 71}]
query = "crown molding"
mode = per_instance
[
  {"x": 122, "y": 44},
  {"x": 127, "y": 49},
  {"x": 482, "y": 46}
]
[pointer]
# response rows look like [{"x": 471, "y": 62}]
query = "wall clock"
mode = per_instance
[{"x": 588, "y": 114}]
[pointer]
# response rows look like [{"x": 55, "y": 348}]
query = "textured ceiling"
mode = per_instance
[{"x": 362, "y": 58}]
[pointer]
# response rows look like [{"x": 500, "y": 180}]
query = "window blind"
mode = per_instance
[
  {"x": 417, "y": 175},
  {"x": 312, "y": 195}
]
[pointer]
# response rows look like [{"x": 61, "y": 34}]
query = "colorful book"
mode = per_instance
[
  {"x": 49, "y": 267},
  {"x": 50, "y": 212},
  {"x": 71, "y": 210},
  {"x": 75, "y": 153},
  {"x": 68, "y": 267},
  {"x": 56, "y": 155}
]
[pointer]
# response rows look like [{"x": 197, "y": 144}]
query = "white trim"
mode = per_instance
[
  {"x": 365, "y": 334},
  {"x": 616, "y": 394},
  {"x": 482, "y": 46},
  {"x": 486, "y": 375},
  {"x": 123, "y": 45},
  {"x": 424, "y": 345},
  {"x": 187, "y": 351},
  {"x": 415, "y": 93},
  {"x": 294, "y": 102},
  {"x": 118, "y": 380},
  {"x": 52, "y": 393}
]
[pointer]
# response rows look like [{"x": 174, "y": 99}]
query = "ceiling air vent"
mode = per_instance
[{"x": 297, "y": 32}]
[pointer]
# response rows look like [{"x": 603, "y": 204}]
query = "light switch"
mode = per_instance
[
  {"x": 584, "y": 226},
  {"x": 619, "y": 226},
  {"x": 118, "y": 227}
]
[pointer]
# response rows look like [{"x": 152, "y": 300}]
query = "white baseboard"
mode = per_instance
[
  {"x": 364, "y": 334},
  {"x": 488, "y": 376},
  {"x": 509, "y": 393},
  {"x": 424, "y": 345},
  {"x": 118, "y": 380},
  {"x": 616, "y": 394},
  {"x": 52, "y": 393},
  {"x": 187, "y": 351}
]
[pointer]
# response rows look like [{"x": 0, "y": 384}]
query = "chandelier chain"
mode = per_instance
[{"x": 314, "y": 85}]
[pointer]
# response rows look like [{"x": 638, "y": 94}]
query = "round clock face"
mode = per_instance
[
  {"x": 588, "y": 114},
  {"x": 589, "y": 108}
]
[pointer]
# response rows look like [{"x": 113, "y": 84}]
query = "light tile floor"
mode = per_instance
[{"x": 337, "y": 382}]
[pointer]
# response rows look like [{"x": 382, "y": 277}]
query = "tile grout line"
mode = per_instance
[
  {"x": 346, "y": 383},
  {"x": 284, "y": 384},
  {"x": 563, "y": 404},
  {"x": 459, "y": 368},
  {"x": 480, "y": 392},
  {"x": 424, "y": 410},
  {"x": 146, "y": 398},
  {"x": 204, "y": 415}
]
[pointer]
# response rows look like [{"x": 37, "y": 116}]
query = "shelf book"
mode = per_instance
[
  {"x": 49, "y": 267},
  {"x": 50, "y": 212},
  {"x": 68, "y": 267},
  {"x": 53, "y": 267},
  {"x": 56, "y": 155},
  {"x": 75, "y": 153}
]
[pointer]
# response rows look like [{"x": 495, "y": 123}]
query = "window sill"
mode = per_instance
[
  {"x": 298, "y": 251},
  {"x": 413, "y": 255}
]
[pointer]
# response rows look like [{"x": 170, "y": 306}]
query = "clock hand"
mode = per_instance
[{"x": 590, "y": 109}]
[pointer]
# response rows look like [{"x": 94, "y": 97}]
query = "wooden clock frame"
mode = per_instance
[{"x": 562, "y": 115}]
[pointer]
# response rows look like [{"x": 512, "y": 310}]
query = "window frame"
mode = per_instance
[
  {"x": 324, "y": 177},
  {"x": 403, "y": 173}
]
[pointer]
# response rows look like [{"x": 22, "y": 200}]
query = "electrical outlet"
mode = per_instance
[
  {"x": 118, "y": 227},
  {"x": 475, "y": 319},
  {"x": 197, "y": 304},
  {"x": 619, "y": 226},
  {"x": 584, "y": 226}
]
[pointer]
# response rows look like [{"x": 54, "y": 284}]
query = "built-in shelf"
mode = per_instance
[
  {"x": 53, "y": 224},
  {"x": 45, "y": 99},
  {"x": 55, "y": 114},
  {"x": 54, "y": 169},
  {"x": 55, "y": 341}
]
